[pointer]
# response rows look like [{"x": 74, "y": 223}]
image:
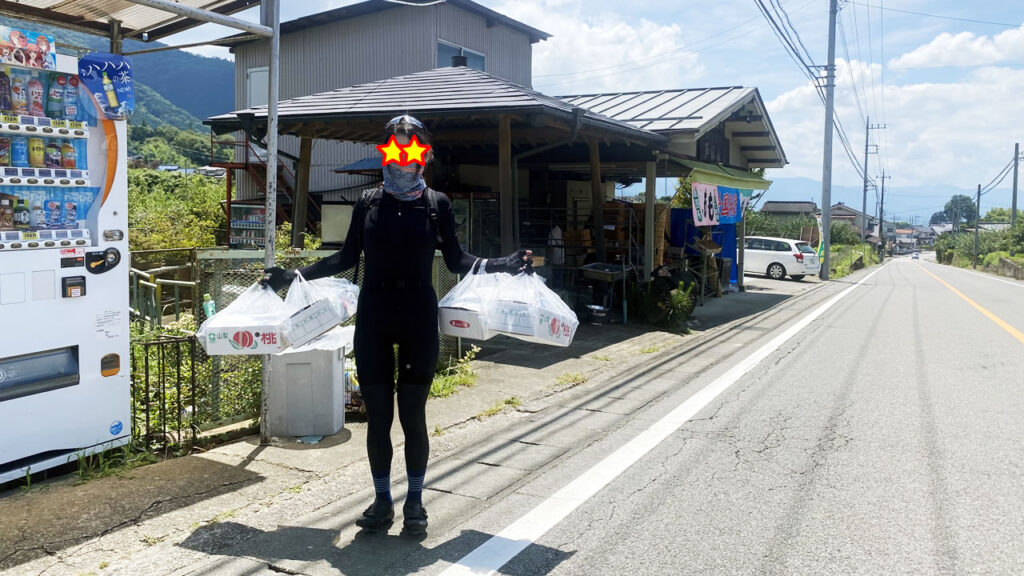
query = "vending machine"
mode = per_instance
[{"x": 64, "y": 333}]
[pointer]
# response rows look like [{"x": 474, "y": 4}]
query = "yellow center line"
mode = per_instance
[{"x": 999, "y": 321}]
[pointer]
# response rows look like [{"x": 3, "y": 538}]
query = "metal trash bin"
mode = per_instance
[{"x": 307, "y": 386}]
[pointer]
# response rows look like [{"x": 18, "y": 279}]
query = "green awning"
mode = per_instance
[{"x": 721, "y": 176}]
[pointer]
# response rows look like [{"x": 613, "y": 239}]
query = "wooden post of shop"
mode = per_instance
[
  {"x": 301, "y": 191},
  {"x": 506, "y": 200},
  {"x": 651, "y": 182},
  {"x": 597, "y": 197}
]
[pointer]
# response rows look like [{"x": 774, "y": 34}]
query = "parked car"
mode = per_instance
[{"x": 779, "y": 257}]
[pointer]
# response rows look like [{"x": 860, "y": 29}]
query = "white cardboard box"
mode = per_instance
[
  {"x": 310, "y": 322},
  {"x": 266, "y": 339},
  {"x": 463, "y": 323}
]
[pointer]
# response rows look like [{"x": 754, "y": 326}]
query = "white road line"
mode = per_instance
[{"x": 490, "y": 556}]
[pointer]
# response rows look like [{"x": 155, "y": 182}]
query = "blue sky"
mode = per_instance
[{"x": 946, "y": 78}]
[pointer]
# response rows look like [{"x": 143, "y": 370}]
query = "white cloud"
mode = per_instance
[
  {"x": 965, "y": 49},
  {"x": 955, "y": 133},
  {"x": 601, "y": 51},
  {"x": 212, "y": 52}
]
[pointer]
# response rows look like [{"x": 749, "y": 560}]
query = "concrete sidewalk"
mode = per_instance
[{"x": 165, "y": 517}]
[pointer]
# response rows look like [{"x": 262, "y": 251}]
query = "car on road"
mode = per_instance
[
  {"x": 779, "y": 257},
  {"x": 915, "y": 255}
]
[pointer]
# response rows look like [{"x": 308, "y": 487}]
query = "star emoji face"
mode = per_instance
[
  {"x": 392, "y": 152},
  {"x": 414, "y": 151}
]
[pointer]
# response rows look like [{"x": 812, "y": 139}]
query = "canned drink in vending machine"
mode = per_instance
[
  {"x": 36, "y": 153},
  {"x": 5, "y": 151},
  {"x": 52, "y": 157},
  {"x": 19, "y": 152},
  {"x": 67, "y": 155},
  {"x": 53, "y": 215}
]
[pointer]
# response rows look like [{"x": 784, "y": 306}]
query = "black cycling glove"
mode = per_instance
[
  {"x": 277, "y": 278},
  {"x": 518, "y": 261}
]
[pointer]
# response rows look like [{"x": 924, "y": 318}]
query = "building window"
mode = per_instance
[
  {"x": 446, "y": 50},
  {"x": 257, "y": 84}
]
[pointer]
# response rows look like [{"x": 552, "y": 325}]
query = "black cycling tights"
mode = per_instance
[
  {"x": 405, "y": 318},
  {"x": 380, "y": 410}
]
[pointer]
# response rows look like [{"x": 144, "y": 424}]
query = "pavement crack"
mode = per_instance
[{"x": 283, "y": 570}]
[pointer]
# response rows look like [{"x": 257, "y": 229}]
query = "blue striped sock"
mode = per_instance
[
  {"x": 382, "y": 486},
  {"x": 415, "y": 487}
]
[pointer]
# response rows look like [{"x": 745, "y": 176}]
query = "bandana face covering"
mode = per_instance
[{"x": 403, "y": 185}]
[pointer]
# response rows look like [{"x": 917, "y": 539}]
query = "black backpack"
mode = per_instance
[{"x": 372, "y": 197}]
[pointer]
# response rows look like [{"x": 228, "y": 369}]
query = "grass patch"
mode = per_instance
[
  {"x": 499, "y": 407},
  {"x": 458, "y": 375},
  {"x": 152, "y": 540},
  {"x": 650, "y": 349},
  {"x": 226, "y": 515},
  {"x": 571, "y": 379},
  {"x": 104, "y": 564},
  {"x": 116, "y": 461},
  {"x": 601, "y": 357},
  {"x": 438, "y": 430},
  {"x": 295, "y": 489},
  {"x": 843, "y": 256}
]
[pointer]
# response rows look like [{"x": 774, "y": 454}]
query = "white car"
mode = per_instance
[{"x": 779, "y": 257}]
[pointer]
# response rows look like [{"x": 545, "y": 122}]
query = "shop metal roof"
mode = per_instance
[
  {"x": 448, "y": 97},
  {"x": 94, "y": 16},
  {"x": 689, "y": 113}
]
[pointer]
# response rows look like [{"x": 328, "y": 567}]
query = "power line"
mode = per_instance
[
  {"x": 937, "y": 15},
  {"x": 849, "y": 68}
]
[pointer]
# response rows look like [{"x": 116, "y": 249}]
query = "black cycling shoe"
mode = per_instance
[
  {"x": 378, "y": 516},
  {"x": 415, "y": 518}
]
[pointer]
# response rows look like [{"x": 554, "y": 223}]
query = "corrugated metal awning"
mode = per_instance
[
  {"x": 687, "y": 114},
  {"x": 723, "y": 176},
  {"x": 94, "y": 16}
]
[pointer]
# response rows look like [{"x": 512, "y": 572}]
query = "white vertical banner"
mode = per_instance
[{"x": 705, "y": 204}]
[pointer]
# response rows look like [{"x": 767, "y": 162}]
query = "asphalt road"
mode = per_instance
[{"x": 882, "y": 438}]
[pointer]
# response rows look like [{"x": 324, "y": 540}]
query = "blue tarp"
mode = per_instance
[
  {"x": 365, "y": 165},
  {"x": 683, "y": 233}
]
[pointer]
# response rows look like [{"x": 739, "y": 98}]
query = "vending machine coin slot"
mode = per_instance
[
  {"x": 73, "y": 286},
  {"x": 100, "y": 262},
  {"x": 72, "y": 262}
]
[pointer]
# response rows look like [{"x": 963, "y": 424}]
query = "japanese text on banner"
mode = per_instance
[{"x": 705, "y": 204}]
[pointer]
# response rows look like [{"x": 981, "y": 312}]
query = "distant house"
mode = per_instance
[
  {"x": 924, "y": 235},
  {"x": 789, "y": 208},
  {"x": 859, "y": 220}
]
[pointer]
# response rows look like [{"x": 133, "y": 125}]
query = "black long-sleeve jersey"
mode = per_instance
[{"x": 398, "y": 241}]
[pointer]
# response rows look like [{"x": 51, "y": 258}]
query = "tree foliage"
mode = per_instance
[
  {"x": 168, "y": 210},
  {"x": 960, "y": 208},
  {"x": 997, "y": 215},
  {"x": 938, "y": 218}
]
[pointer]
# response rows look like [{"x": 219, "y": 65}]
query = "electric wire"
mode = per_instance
[
  {"x": 806, "y": 69},
  {"x": 937, "y": 15}
]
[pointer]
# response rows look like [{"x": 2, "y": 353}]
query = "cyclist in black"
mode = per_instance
[{"x": 397, "y": 228}]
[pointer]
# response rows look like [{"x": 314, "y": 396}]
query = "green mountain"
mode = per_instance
[
  {"x": 152, "y": 109},
  {"x": 172, "y": 87}
]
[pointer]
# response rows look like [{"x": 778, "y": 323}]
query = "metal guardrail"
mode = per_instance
[{"x": 160, "y": 294}]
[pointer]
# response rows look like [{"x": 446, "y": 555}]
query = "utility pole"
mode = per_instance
[
  {"x": 1013, "y": 204},
  {"x": 864, "y": 200},
  {"x": 826, "y": 176},
  {"x": 881, "y": 215},
  {"x": 977, "y": 228}
]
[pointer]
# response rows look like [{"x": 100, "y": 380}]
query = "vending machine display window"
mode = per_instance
[{"x": 38, "y": 372}]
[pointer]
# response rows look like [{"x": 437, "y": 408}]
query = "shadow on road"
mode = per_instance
[{"x": 289, "y": 547}]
